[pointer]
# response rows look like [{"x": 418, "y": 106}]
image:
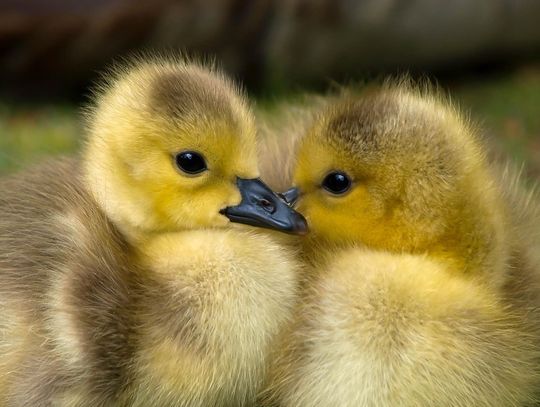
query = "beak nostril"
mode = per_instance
[{"x": 267, "y": 205}]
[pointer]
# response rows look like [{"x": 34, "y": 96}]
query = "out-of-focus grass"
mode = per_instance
[
  {"x": 28, "y": 134},
  {"x": 507, "y": 107}
]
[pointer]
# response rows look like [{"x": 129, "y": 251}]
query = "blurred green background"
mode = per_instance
[{"x": 484, "y": 54}]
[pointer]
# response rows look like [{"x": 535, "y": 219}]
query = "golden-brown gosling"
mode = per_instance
[
  {"x": 423, "y": 287},
  {"x": 122, "y": 280}
]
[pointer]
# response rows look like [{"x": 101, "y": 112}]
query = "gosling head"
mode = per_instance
[
  {"x": 171, "y": 147},
  {"x": 396, "y": 169}
]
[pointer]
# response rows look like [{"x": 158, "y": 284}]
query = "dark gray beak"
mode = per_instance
[
  {"x": 262, "y": 207},
  {"x": 290, "y": 196}
]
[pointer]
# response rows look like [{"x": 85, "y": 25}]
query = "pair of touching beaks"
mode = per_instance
[{"x": 262, "y": 207}]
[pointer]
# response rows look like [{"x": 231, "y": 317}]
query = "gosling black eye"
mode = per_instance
[
  {"x": 190, "y": 162},
  {"x": 337, "y": 182}
]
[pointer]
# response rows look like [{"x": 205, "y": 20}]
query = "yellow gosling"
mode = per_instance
[
  {"x": 123, "y": 280},
  {"x": 423, "y": 281}
]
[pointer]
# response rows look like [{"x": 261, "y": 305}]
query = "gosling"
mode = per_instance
[
  {"x": 126, "y": 275},
  {"x": 423, "y": 261}
]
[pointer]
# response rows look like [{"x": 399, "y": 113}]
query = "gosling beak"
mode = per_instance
[
  {"x": 261, "y": 207},
  {"x": 290, "y": 196}
]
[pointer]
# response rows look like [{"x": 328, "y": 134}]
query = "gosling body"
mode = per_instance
[
  {"x": 121, "y": 280},
  {"x": 423, "y": 283}
]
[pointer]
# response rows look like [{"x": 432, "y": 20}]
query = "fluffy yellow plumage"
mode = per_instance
[
  {"x": 141, "y": 121},
  {"x": 122, "y": 279},
  {"x": 423, "y": 286}
]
